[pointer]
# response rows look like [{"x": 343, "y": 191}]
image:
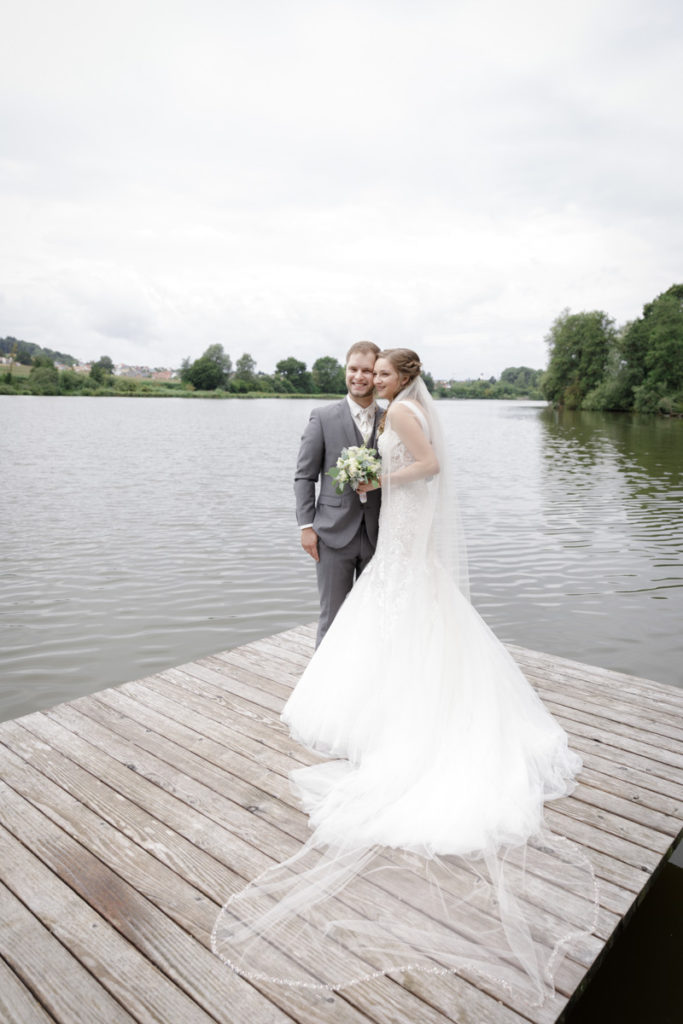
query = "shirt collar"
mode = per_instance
[{"x": 359, "y": 410}]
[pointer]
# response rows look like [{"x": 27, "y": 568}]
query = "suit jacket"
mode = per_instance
[{"x": 336, "y": 518}]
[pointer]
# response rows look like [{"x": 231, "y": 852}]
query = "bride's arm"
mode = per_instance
[{"x": 410, "y": 431}]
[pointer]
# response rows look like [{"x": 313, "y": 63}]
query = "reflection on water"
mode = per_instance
[{"x": 141, "y": 533}]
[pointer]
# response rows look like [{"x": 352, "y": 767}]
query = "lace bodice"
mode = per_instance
[
  {"x": 393, "y": 452},
  {"x": 392, "y": 448},
  {"x": 405, "y": 522}
]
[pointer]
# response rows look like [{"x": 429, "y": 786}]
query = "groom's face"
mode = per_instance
[{"x": 360, "y": 374}]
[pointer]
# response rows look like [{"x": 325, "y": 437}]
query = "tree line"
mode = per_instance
[
  {"x": 593, "y": 364},
  {"x": 214, "y": 370},
  {"x": 213, "y": 373},
  {"x": 639, "y": 366}
]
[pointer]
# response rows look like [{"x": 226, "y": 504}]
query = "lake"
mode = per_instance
[{"x": 142, "y": 533}]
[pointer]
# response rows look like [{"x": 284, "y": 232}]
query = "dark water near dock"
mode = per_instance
[
  {"x": 138, "y": 534},
  {"x": 638, "y": 980}
]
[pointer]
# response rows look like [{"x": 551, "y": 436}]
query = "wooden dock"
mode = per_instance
[{"x": 127, "y": 818}]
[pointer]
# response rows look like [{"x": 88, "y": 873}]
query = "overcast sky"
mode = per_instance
[{"x": 288, "y": 177}]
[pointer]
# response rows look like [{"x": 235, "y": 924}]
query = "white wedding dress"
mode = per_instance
[{"x": 428, "y": 848}]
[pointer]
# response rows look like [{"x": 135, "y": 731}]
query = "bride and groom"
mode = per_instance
[{"x": 428, "y": 847}]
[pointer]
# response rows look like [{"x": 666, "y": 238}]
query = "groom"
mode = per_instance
[{"x": 338, "y": 531}]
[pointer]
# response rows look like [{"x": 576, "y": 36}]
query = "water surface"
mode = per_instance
[{"x": 141, "y": 533}]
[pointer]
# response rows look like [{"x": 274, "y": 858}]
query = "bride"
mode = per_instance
[{"x": 428, "y": 848}]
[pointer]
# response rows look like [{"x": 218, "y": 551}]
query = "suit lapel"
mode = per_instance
[{"x": 372, "y": 443}]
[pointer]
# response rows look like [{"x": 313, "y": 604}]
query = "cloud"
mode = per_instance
[{"x": 288, "y": 178}]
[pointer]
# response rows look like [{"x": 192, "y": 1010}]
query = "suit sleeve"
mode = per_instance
[{"x": 309, "y": 466}]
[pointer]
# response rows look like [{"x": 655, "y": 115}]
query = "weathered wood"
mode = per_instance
[
  {"x": 131, "y": 814},
  {"x": 67, "y": 990},
  {"x": 153, "y": 891},
  {"x": 144, "y": 991},
  {"x": 17, "y": 1004},
  {"x": 291, "y": 821}
]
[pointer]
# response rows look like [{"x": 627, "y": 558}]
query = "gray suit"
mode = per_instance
[{"x": 346, "y": 528}]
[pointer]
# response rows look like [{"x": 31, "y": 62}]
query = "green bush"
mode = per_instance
[
  {"x": 125, "y": 386},
  {"x": 646, "y": 400}
]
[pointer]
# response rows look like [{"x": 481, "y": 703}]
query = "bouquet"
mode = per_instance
[{"x": 356, "y": 465}]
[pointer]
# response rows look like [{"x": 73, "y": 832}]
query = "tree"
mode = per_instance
[
  {"x": 521, "y": 377},
  {"x": 44, "y": 377},
  {"x": 102, "y": 369},
  {"x": 329, "y": 376},
  {"x": 580, "y": 346},
  {"x": 70, "y": 381},
  {"x": 294, "y": 373},
  {"x": 653, "y": 352},
  {"x": 217, "y": 354},
  {"x": 245, "y": 372},
  {"x": 205, "y": 374},
  {"x": 212, "y": 369},
  {"x": 429, "y": 381}
]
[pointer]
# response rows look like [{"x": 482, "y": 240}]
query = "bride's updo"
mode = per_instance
[{"x": 404, "y": 361}]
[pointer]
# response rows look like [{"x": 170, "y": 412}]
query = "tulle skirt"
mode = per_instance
[{"x": 428, "y": 848}]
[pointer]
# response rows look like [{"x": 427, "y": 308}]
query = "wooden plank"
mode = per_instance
[
  {"x": 382, "y": 991},
  {"x": 624, "y": 764},
  {"x": 612, "y": 795},
  {"x": 153, "y": 721},
  {"x": 140, "y": 896},
  {"x": 642, "y": 711},
  {"x": 17, "y": 1004},
  {"x": 629, "y": 782},
  {"x": 386, "y": 997},
  {"x": 188, "y": 770},
  {"x": 645, "y": 839},
  {"x": 671, "y": 827},
  {"x": 290, "y": 820},
  {"x": 143, "y": 990},
  {"x": 186, "y": 709},
  {"x": 161, "y": 745},
  {"x": 603, "y": 679},
  {"x": 662, "y": 763},
  {"x": 279, "y": 789},
  {"x": 235, "y": 680},
  {"x": 67, "y": 990},
  {"x": 225, "y": 736},
  {"x": 631, "y": 726},
  {"x": 181, "y": 766},
  {"x": 244, "y": 715},
  {"x": 619, "y": 872}
]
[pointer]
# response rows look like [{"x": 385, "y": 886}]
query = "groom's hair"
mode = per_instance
[{"x": 362, "y": 346}]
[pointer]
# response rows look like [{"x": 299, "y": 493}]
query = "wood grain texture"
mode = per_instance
[
  {"x": 128, "y": 816},
  {"x": 18, "y": 1005}
]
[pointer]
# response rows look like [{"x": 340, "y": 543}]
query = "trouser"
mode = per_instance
[{"x": 337, "y": 570}]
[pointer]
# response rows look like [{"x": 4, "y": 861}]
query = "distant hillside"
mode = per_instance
[{"x": 26, "y": 350}]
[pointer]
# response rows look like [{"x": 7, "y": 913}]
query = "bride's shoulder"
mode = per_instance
[{"x": 402, "y": 413}]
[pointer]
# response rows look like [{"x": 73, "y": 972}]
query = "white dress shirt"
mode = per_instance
[{"x": 364, "y": 417}]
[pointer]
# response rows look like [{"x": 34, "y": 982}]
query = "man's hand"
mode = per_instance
[
  {"x": 364, "y": 488},
  {"x": 309, "y": 542}
]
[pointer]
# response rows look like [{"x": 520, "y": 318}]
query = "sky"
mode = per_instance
[{"x": 288, "y": 178}]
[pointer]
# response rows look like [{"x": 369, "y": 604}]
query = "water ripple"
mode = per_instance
[{"x": 138, "y": 535}]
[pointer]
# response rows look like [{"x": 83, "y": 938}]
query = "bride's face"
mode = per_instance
[{"x": 387, "y": 380}]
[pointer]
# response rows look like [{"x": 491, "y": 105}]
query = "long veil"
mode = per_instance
[{"x": 429, "y": 850}]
